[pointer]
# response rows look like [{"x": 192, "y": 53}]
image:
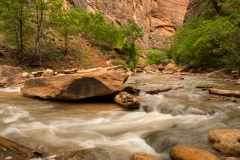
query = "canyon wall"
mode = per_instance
[{"x": 158, "y": 18}]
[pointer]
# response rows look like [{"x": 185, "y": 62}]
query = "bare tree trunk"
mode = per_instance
[
  {"x": 21, "y": 31},
  {"x": 39, "y": 31},
  {"x": 216, "y": 7},
  {"x": 17, "y": 40},
  {"x": 66, "y": 44}
]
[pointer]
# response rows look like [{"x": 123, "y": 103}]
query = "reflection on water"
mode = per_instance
[{"x": 178, "y": 117}]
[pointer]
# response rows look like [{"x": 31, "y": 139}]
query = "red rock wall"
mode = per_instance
[{"x": 159, "y": 18}]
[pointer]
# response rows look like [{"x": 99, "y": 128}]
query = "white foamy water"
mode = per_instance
[
  {"x": 181, "y": 117},
  {"x": 11, "y": 89}
]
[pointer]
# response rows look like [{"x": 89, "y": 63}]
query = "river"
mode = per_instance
[{"x": 177, "y": 117}]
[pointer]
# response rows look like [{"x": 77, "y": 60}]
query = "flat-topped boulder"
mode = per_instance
[{"x": 75, "y": 86}]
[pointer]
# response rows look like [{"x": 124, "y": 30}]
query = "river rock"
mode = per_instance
[
  {"x": 47, "y": 73},
  {"x": 25, "y": 75},
  {"x": 224, "y": 73},
  {"x": 89, "y": 154},
  {"x": 227, "y": 141},
  {"x": 75, "y": 86},
  {"x": 151, "y": 68},
  {"x": 132, "y": 90},
  {"x": 143, "y": 156},
  {"x": 187, "y": 153},
  {"x": 10, "y": 75},
  {"x": 224, "y": 92},
  {"x": 126, "y": 100}
]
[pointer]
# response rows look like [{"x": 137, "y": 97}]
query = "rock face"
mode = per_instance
[
  {"x": 75, "y": 86},
  {"x": 187, "y": 153},
  {"x": 10, "y": 75},
  {"x": 193, "y": 9},
  {"x": 227, "y": 141},
  {"x": 159, "y": 19}
]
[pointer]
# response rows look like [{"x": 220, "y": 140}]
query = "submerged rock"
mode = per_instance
[
  {"x": 227, "y": 141},
  {"x": 143, "y": 156},
  {"x": 75, "y": 86},
  {"x": 19, "y": 150},
  {"x": 187, "y": 153},
  {"x": 89, "y": 154}
]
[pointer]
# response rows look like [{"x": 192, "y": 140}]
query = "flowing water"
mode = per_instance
[{"x": 177, "y": 117}]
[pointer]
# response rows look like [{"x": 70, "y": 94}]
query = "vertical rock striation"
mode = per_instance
[{"x": 158, "y": 18}]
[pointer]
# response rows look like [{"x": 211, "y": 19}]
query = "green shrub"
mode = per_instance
[
  {"x": 156, "y": 57},
  {"x": 120, "y": 62}
]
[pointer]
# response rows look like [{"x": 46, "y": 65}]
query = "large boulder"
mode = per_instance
[
  {"x": 75, "y": 86},
  {"x": 187, "y": 153},
  {"x": 10, "y": 75},
  {"x": 227, "y": 141}
]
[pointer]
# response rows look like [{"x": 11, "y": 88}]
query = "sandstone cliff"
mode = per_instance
[
  {"x": 193, "y": 9},
  {"x": 158, "y": 18}
]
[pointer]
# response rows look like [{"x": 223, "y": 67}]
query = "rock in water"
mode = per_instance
[
  {"x": 227, "y": 141},
  {"x": 75, "y": 86},
  {"x": 89, "y": 154},
  {"x": 126, "y": 100},
  {"x": 187, "y": 153},
  {"x": 143, "y": 156}
]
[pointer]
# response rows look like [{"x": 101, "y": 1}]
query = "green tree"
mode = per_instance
[
  {"x": 41, "y": 7},
  {"x": 212, "y": 39},
  {"x": 156, "y": 57},
  {"x": 64, "y": 21},
  {"x": 131, "y": 32},
  {"x": 14, "y": 26}
]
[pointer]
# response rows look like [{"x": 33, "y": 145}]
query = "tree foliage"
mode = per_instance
[
  {"x": 131, "y": 32},
  {"x": 156, "y": 57},
  {"x": 212, "y": 39},
  {"x": 26, "y": 24}
]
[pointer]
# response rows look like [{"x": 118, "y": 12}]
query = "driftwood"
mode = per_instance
[
  {"x": 19, "y": 150},
  {"x": 164, "y": 89},
  {"x": 67, "y": 71},
  {"x": 222, "y": 92}
]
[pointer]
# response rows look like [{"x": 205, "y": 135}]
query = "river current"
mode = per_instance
[{"x": 177, "y": 117}]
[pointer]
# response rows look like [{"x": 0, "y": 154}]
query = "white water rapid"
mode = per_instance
[{"x": 177, "y": 117}]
